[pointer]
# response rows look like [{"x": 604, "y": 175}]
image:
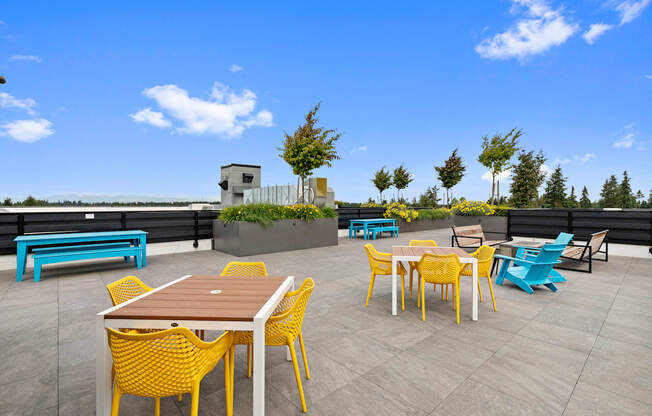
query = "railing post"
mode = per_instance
[
  {"x": 570, "y": 221},
  {"x": 123, "y": 221},
  {"x": 21, "y": 224},
  {"x": 196, "y": 243},
  {"x": 509, "y": 229}
]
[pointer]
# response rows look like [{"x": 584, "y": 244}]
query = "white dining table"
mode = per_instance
[{"x": 414, "y": 253}]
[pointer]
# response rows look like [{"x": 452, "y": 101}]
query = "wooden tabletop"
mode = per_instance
[
  {"x": 418, "y": 251},
  {"x": 190, "y": 299}
]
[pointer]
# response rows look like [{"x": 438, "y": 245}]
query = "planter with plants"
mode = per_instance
[
  {"x": 410, "y": 220},
  {"x": 492, "y": 218},
  {"x": 252, "y": 229}
]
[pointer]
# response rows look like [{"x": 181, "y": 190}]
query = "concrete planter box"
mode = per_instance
[
  {"x": 488, "y": 223},
  {"x": 248, "y": 238},
  {"x": 424, "y": 224}
]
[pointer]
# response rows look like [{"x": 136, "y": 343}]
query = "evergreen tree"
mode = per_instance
[
  {"x": 555, "y": 193},
  {"x": 609, "y": 193},
  {"x": 451, "y": 173},
  {"x": 585, "y": 202},
  {"x": 7, "y": 202},
  {"x": 402, "y": 178},
  {"x": 640, "y": 202},
  {"x": 382, "y": 180},
  {"x": 496, "y": 154},
  {"x": 430, "y": 198},
  {"x": 527, "y": 177},
  {"x": 571, "y": 201},
  {"x": 625, "y": 196}
]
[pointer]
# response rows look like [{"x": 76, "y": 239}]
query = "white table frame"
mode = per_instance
[
  {"x": 466, "y": 260},
  {"x": 103, "y": 352}
]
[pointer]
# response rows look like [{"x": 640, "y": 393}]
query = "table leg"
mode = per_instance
[
  {"x": 21, "y": 260},
  {"x": 366, "y": 236},
  {"x": 394, "y": 261},
  {"x": 259, "y": 367},
  {"x": 143, "y": 244},
  {"x": 103, "y": 365},
  {"x": 474, "y": 290}
]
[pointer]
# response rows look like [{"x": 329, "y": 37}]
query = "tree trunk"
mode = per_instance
[
  {"x": 303, "y": 190},
  {"x": 498, "y": 191},
  {"x": 493, "y": 187},
  {"x": 297, "y": 201}
]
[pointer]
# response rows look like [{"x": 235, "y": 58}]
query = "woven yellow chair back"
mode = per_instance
[
  {"x": 423, "y": 243},
  {"x": 379, "y": 262},
  {"x": 434, "y": 268},
  {"x": 126, "y": 288},
  {"x": 163, "y": 363},
  {"x": 288, "y": 316},
  {"x": 485, "y": 256},
  {"x": 240, "y": 268}
]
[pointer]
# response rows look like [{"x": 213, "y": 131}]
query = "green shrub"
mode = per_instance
[
  {"x": 500, "y": 210},
  {"x": 265, "y": 214},
  {"x": 434, "y": 214}
]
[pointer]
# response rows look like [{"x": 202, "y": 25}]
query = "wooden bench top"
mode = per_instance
[{"x": 190, "y": 299}]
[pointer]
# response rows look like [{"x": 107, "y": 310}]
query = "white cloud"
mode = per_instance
[
  {"x": 547, "y": 170},
  {"x": 648, "y": 76},
  {"x": 507, "y": 173},
  {"x": 595, "y": 31},
  {"x": 226, "y": 113},
  {"x": 629, "y": 9},
  {"x": 539, "y": 30},
  {"x": 235, "y": 68},
  {"x": 625, "y": 142},
  {"x": 31, "y": 58},
  {"x": 153, "y": 118},
  {"x": 583, "y": 159},
  {"x": 559, "y": 161},
  {"x": 27, "y": 130},
  {"x": 360, "y": 149},
  {"x": 8, "y": 100}
]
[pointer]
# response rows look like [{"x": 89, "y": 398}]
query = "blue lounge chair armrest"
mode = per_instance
[{"x": 500, "y": 256}]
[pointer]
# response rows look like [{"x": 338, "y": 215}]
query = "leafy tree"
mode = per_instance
[
  {"x": 382, "y": 180},
  {"x": 309, "y": 148},
  {"x": 527, "y": 177},
  {"x": 555, "y": 193},
  {"x": 571, "y": 201},
  {"x": 585, "y": 202},
  {"x": 609, "y": 193},
  {"x": 430, "y": 198},
  {"x": 7, "y": 202},
  {"x": 626, "y": 197},
  {"x": 402, "y": 178},
  {"x": 496, "y": 154},
  {"x": 450, "y": 173}
]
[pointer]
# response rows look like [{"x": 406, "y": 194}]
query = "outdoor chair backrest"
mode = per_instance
[
  {"x": 595, "y": 242},
  {"x": 469, "y": 231},
  {"x": 544, "y": 261},
  {"x": 564, "y": 238}
]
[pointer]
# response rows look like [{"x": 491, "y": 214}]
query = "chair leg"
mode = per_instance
[
  {"x": 157, "y": 406},
  {"x": 303, "y": 352},
  {"x": 442, "y": 291},
  {"x": 228, "y": 386},
  {"x": 115, "y": 403},
  {"x": 194, "y": 406},
  {"x": 457, "y": 302},
  {"x": 371, "y": 288},
  {"x": 297, "y": 376},
  {"x": 479, "y": 290},
  {"x": 402, "y": 292},
  {"x": 447, "y": 293},
  {"x": 491, "y": 288},
  {"x": 418, "y": 291},
  {"x": 180, "y": 398},
  {"x": 249, "y": 359},
  {"x": 423, "y": 300}
]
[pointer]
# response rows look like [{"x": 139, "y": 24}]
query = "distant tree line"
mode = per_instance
[{"x": 30, "y": 201}]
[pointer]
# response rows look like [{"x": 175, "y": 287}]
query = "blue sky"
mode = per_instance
[{"x": 150, "y": 98}]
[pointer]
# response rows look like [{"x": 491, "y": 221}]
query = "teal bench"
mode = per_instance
[
  {"x": 391, "y": 228},
  {"x": 51, "y": 255}
]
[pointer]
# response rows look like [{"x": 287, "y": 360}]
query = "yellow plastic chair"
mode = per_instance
[
  {"x": 381, "y": 265},
  {"x": 126, "y": 288},
  {"x": 437, "y": 269},
  {"x": 240, "y": 268},
  {"x": 485, "y": 256},
  {"x": 168, "y": 363},
  {"x": 243, "y": 269},
  {"x": 284, "y": 327},
  {"x": 413, "y": 265}
]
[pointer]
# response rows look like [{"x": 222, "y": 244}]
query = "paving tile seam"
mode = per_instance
[{"x": 596, "y": 340}]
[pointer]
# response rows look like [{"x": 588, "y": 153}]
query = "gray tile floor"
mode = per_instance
[{"x": 585, "y": 350}]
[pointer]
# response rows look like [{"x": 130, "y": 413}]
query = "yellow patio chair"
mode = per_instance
[
  {"x": 485, "y": 256},
  {"x": 243, "y": 269},
  {"x": 126, "y": 288},
  {"x": 168, "y": 363},
  {"x": 438, "y": 269},
  {"x": 284, "y": 327},
  {"x": 240, "y": 268},
  {"x": 413, "y": 265},
  {"x": 381, "y": 265}
]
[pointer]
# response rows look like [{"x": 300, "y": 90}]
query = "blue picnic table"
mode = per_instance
[
  {"x": 372, "y": 225},
  {"x": 136, "y": 246}
]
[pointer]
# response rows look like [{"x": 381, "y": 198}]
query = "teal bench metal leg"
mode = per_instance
[
  {"x": 143, "y": 246},
  {"x": 37, "y": 270},
  {"x": 139, "y": 260},
  {"x": 21, "y": 260}
]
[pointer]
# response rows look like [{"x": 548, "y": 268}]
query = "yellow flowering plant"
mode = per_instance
[
  {"x": 472, "y": 208},
  {"x": 400, "y": 211}
]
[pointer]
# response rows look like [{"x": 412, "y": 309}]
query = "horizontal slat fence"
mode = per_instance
[
  {"x": 625, "y": 226},
  {"x": 161, "y": 226},
  {"x": 347, "y": 214}
]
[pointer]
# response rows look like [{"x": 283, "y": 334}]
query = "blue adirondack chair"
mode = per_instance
[
  {"x": 528, "y": 253},
  {"x": 533, "y": 271}
]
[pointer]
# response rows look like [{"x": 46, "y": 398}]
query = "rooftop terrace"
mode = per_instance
[{"x": 584, "y": 350}]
